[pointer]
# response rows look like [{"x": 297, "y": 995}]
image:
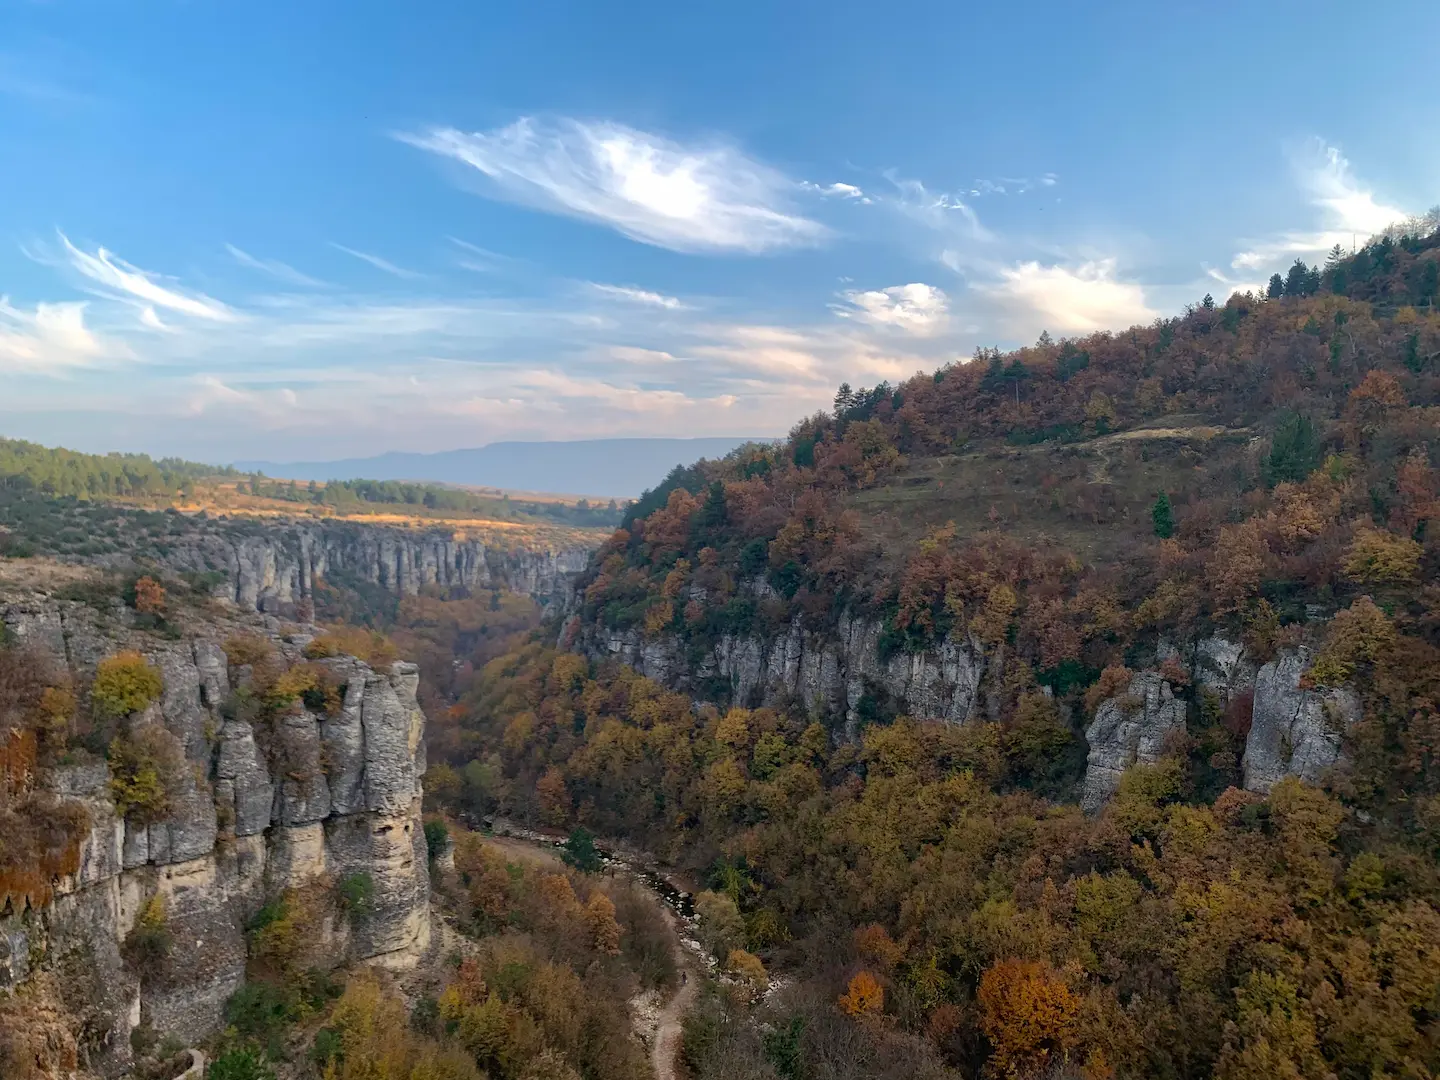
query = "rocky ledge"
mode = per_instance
[{"x": 343, "y": 800}]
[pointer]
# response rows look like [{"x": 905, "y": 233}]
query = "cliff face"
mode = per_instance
[
  {"x": 241, "y": 831},
  {"x": 273, "y": 567},
  {"x": 1128, "y": 729},
  {"x": 1293, "y": 732},
  {"x": 828, "y": 674}
]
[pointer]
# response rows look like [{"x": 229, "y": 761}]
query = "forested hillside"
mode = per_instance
[{"x": 1066, "y": 537}]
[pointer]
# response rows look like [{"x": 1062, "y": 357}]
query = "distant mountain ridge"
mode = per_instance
[{"x": 605, "y": 467}]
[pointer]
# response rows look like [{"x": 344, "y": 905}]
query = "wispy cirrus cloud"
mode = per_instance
[
  {"x": 275, "y": 268},
  {"x": 141, "y": 287},
  {"x": 703, "y": 198},
  {"x": 1012, "y": 185},
  {"x": 916, "y": 308},
  {"x": 638, "y": 296},
  {"x": 483, "y": 260},
  {"x": 379, "y": 263},
  {"x": 1347, "y": 210}
]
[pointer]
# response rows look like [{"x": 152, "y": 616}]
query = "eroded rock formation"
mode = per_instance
[
  {"x": 1293, "y": 731},
  {"x": 242, "y": 830},
  {"x": 1129, "y": 729},
  {"x": 829, "y": 674}
]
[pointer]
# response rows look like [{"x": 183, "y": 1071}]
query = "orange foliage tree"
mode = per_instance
[
  {"x": 1029, "y": 1015},
  {"x": 865, "y": 996}
]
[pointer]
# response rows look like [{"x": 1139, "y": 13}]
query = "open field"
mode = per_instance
[{"x": 1083, "y": 495}]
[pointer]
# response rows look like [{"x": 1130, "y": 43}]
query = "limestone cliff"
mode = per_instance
[
  {"x": 838, "y": 673},
  {"x": 1293, "y": 731},
  {"x": 828, "y": 674},
  {"x": 273, "y": 566},
  {"x": 1133, "y": 728},
  {"x": 338, "y": 796}
]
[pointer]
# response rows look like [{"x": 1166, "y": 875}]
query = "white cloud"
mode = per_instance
[
  {"x": 837, "y": 191},
  {"x": 106, "y": 269},
  {"x": 50, "y": 340},
  {"x": 1347, "y": 209},
  {"x": 693, "y": 199},
  {"x": 276, "y": 269},
  {"x": 916, "y": 308},
  {"x": 1032, "y": 297},
  {"x": 482, "y": 260},
  {"x": 630, "y": 354},
  {"x": 377, "y": 262},
  {"x": 638, "y": 296}
]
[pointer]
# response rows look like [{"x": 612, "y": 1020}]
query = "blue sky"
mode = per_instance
[{"x": 322, "y": 229}]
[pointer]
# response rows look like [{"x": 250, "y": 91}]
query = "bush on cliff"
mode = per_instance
[
  {"x": 147, "y": 947},
  {"x": 124, "y": 684},
  {"x": 145, "y": 768},
  {"x": 369, "y": 646}
]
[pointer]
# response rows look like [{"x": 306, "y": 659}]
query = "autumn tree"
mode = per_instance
[
  {"x": 1029, "y": 1015},
  {"x": 149, "y": 596},
  {"x": 864, "y": 996}
]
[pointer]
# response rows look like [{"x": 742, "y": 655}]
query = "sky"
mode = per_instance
[{"x": 313, "y": 230}]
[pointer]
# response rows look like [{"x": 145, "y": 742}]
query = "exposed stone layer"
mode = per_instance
[
  {"x": 274, "y": 567},
  {"x": 333, "y": 797},
  {"x": 828, "y": 674}
]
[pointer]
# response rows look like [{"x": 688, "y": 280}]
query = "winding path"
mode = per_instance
[{"x": 668, "y": 1034}]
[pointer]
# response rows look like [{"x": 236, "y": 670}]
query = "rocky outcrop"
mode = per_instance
[
  {"x": 320, "y": 798},
  {"x": 1128, "y": 729},
  {"x": 1294, "y": 731},
  {"x": 829, "y": 674},
  {"x": 275, "y": 567}
]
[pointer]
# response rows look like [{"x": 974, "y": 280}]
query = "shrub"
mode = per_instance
[
  {"x": 579, "y": 851},
  {"x": 242, "y": 1063},
  {"x": 124, "y": 683},
  {"x": 356, "y": 893},
  {"x": 721, "y": 927},
  {"x": 149, "y": 596},
  {"x": 369, "y": 646},
  {"x": 747, "y": 966},
  {"x": 437, "y": 835},
  {"x": 864, "y": 996},
  {"x": 144, "y": 769},
  {"x": 247, "y": 649},
  {"x": 147, "y": 946},
  {"x": 302, "y": 683},
  {"x": 260, "y": 1009}
]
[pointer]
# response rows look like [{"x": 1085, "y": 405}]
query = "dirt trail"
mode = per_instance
[{"x": 665, "y": 1051}]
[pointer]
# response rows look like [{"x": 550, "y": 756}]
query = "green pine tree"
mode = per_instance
[
  {"x": 579, "y": 852},
  {"x": 1163, "y": 516}
]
